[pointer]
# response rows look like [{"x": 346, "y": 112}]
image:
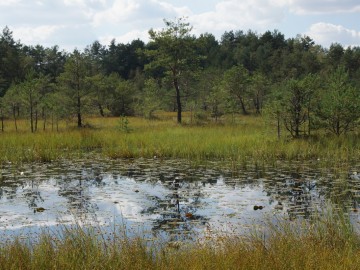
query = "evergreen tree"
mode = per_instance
[{"x": 176, "y": 54}]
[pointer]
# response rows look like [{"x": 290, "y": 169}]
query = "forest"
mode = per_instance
[
  {"x": 295, "y": 83},
  {"x": 233, "y": 153}
]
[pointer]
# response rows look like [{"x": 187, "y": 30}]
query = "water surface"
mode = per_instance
[{"x": 170, "y": 198}]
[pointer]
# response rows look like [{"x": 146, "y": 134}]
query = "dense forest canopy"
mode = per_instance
[{"x": 296, "y": 83}]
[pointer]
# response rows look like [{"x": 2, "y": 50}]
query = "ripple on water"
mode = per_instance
[{"x": 166, "y": 196}]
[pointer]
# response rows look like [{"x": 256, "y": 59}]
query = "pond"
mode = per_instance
[{"x": 167, "y": 198}]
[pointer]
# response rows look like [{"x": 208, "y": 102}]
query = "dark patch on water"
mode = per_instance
[{"x": 167, "y": 197}]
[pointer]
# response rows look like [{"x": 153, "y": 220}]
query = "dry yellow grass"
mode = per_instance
[{"x": 327, "y": 244}]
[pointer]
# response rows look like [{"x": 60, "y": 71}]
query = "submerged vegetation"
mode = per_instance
[{"x": 247, "y": 98}]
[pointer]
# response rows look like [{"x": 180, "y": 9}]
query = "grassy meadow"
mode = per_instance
[
  {"x": 328, "y": 243},
  {"x": 243, "y": 139}
]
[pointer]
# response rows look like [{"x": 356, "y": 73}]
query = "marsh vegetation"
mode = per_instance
[
  {"x": 328, "y": 243},
  {"x": 121, "y": 183},
  {"x": 234, "y": 154}
]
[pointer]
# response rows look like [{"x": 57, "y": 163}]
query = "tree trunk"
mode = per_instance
[
  {"x": 101, "y": 110},
  {"x": 243, "y": 106},
  {"x": 297, "y": 131},
  {"x": 36, "y": 118},
  {"x": 14, "y": 114},
  {"x": 44, "y": 117},
  {"x": 297, "y": 121},
  {"x": 31, "y": 118},
  {"x": 79, "y": 112},
  {"x": 257, "y": 105},
  {"x": 178, "y": 100},
  {"x": 338, "y": 128}
]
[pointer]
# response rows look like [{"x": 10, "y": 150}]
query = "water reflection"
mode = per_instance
[{"x": 169, "y": 196}]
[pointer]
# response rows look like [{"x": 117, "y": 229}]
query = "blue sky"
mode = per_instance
[{"x": 77, "y": 23}]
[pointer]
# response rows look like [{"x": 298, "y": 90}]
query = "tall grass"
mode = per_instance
[
  {"x": 249, "y": 138},
  {"x": 328, "y": 242}
]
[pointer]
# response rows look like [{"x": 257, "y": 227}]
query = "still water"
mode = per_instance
[{"x": 167, "y": 197}]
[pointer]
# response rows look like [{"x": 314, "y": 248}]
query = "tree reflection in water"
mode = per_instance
[{"x": 185, "y": 199}]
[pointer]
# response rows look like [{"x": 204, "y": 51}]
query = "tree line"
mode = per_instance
[{"x": 298, "y": 85}]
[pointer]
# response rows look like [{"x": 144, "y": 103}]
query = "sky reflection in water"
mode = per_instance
[{"x": 165, "y": 197}]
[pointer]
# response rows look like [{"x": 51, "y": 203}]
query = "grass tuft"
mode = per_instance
[
  {"x": 247, "y": 140},
  {"x": 327, "y": 242}
]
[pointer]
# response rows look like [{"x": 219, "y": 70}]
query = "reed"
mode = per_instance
[
  {"x": 328, "y": 242},
  {"x": 248, "y": 139}
]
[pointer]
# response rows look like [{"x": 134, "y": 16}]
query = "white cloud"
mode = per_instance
[
  {"x": 139, "y": 11},
  {"x": 35, "y": 35},
  {"x": 88, "y": 20},
  {"x": 126, "y": 20},
  {"x": 85, "y": 3},
  {"x": 127, "y": 37},
  {"x": 258, "y": 15},
  {"x": 327, "y": 33},
  {"x": 120, "y": 11},
  {"x": 171, "y": 9},
  {"x": 304, "y": 7},
  {"x": 74, "y": 2},
  {"x": 9, "y": 2}
]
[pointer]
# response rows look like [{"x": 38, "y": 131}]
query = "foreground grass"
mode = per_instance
[
  {"x": 249, "y": 138},
  {"x": 328, "y": 243}
]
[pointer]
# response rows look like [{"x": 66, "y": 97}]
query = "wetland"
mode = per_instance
[
  {"x": 165, "y": 196},
  {"x": 168, "y": 198}
]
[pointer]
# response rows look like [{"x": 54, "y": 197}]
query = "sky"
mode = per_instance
[{"x": 74, "y": 24}]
